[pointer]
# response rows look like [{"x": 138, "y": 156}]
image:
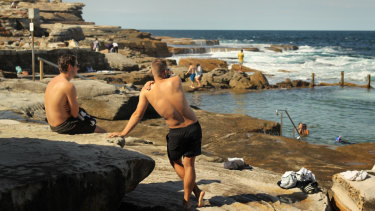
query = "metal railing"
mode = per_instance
[
  {"x": 41, "y": 67},
  {"x": 290, "y": 118}
]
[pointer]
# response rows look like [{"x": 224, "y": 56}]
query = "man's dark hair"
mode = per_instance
[
  {"x": 65, "y": 61},
  {"x": 158, "y": 66}
]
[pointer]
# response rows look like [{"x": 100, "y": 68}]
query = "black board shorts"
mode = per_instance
[
  {"x": 184, "y": 141},
  {"x": 75, "y": 126}
]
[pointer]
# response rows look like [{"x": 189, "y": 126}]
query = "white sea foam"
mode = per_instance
[{"x": 326, "y": 62}]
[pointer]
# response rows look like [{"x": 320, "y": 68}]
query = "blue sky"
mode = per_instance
[{"x": 233, "y": 15}]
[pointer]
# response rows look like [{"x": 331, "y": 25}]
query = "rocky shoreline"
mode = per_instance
[
  {"x": 224, "y": 136},
  {"x": 111, "y": 95}
]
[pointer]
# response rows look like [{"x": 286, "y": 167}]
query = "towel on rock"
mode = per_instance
[{"x": 354, "y": 175}]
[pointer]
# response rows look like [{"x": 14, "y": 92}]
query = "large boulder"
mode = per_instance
[
  {"x": 180, "y": 71},
  {"x": 99, "y": 99},
  {"x": 241, "y": 81},
  {"x": 218, "y": 78},
  {"x": 105, "y": 101},
  {"x": 206, "y": 64},
  {"x": 354, "y": 195},
  {"x": 223, "y": 78},
  {"x": 62, "y": 32},
  {"x": 149, "y": 47},
  {"x": 118, "y": 61},
  {"x": 259, "y": 80},
  {"x": 42, "y": 170}
]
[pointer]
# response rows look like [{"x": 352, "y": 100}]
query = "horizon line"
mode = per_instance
[{"x": 364, "y": 30}]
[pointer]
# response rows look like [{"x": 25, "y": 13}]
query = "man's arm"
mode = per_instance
[
  {"x": 72, "y": 100},
  {"x": 136, "y": 116},
  {"x": 190, "y": 69}
]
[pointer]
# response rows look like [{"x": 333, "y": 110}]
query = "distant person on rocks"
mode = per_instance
[
  {"x": 185, "y": 135},
  {"x": 240, "y": 59},
  {"x": 60, "y": 102},
  {"x": 96, "y": 45},
  {"x": 192, "y": 76},
  {"x": 109, "y": 47},
  {"x": 115, "y": 47},
  {"x": 198, "y": 75},
  {"x": 302, "y": 129},
  {"x": 13, "y": 5}
]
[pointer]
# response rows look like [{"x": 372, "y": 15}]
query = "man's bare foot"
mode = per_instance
[
  {"x": 192, "y": 87},
  {"x": 186, "y": 205}
]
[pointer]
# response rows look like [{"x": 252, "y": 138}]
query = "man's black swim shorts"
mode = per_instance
[
  {"x": 184, "y": 141},
  {"x": 74, "y": 126}
]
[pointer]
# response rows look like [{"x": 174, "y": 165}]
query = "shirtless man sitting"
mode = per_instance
[
  {"x": 185, "y": 135},
  {"x": 60, "y": 102}
]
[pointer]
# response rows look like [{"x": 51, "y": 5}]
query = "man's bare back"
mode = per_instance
[
  {"x": 60, "y": 101},
  {"x": 168, "y": 99}
]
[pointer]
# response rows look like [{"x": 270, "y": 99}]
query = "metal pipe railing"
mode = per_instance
[
  {"x": 53, "y": 65},
  {"x": 290, "y": 118}
]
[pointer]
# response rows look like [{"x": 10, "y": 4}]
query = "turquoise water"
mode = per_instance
[{"x": 327, "y": 111}]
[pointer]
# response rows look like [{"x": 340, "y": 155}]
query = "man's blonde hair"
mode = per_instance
[{"x": 158, "y": 66}]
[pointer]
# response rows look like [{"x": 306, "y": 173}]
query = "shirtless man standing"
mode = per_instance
[
  {"x": 184, "y": 138},
  {"x": 60, "y": 102}
]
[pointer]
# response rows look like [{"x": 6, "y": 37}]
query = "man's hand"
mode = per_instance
[
  {"x": 115, "y": 134},
  {"x": 147, "y": 86}
]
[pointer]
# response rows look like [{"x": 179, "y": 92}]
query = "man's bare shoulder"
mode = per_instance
[
  {"x": 175, "y": 80},
  {"x": 60, "y": 84}
]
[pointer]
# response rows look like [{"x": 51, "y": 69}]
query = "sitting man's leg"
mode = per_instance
[{"x": 99, "y": 130}]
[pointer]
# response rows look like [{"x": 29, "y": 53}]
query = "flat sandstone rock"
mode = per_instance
[{"x": 354, "y": 195}]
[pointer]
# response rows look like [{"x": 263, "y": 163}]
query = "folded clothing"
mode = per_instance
[
  {"x": 303, "y": 179},
  {"x": 354, "y": 175},
  {"x": 236, "y": 164},
  {"x": 288, "y": 180}
]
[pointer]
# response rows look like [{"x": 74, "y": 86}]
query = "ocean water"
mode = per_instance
[
  {"x": 325, "y": 53},
  {"x": 327, "y": 111}
]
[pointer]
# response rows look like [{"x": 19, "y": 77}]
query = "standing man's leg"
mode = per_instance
[
  {"x": 199, "y": 81},
  {"x": 181, "y": 172},
  {"x": 189, "y": 178}
]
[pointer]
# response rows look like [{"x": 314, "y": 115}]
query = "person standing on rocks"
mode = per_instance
[
  {"x": 60, "y": 102},
  {"x": 198, "y": 75},
  {"x": 109, "y": 47},
  {"x": 96, "y": 45},
  {"x": 185, "y": 135},
  {"x": 115, "y": 47},
  {"x": 241, "y": 55},
  {"x": 192, "y": 76}
]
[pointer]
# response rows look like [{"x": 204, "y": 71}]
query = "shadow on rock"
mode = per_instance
[
  {"x": 259, "y": 197},
  {"x": 159, "y": 196}
]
